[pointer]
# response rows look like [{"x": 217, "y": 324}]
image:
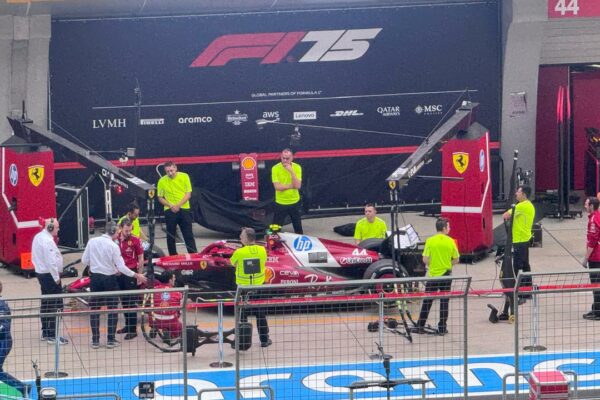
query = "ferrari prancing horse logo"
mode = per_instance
[
  {"x": 460, "y": 161},
  {"x": 36, "y": 174}
]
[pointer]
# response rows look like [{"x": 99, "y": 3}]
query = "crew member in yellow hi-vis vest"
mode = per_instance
[
  {"x": 287, "y": 180},
  {"x": 440, "y": 254},
  {"x": 370, "y": 227},
  {"x": 174, "y": 191},
  {"x": 249, "y": 262},
  {"x": 132, "y": 213},
  {"x": 521, "y": 234}
]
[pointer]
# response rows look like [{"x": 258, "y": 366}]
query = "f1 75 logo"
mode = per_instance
[{"x": 272, "y": 48}]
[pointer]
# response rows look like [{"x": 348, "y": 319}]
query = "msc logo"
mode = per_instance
[
  {"x": 432, "y": 109},
  {"x": 273, "y": 47},
  {"x": 346, "y": 113},
  {"x": 303, "y": 243}
]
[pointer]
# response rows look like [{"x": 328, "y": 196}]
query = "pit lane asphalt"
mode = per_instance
[{"x": 483, "y": 338}]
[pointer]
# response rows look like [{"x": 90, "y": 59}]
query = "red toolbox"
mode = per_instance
[{"x": 548, "y": 385}]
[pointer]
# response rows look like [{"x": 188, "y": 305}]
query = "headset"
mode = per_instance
[{"x": 50, "y": 225}]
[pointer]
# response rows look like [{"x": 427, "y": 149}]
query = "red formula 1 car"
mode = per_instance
[{"x": 292, "y": 259}]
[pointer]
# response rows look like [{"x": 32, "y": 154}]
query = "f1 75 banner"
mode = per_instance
[{"x": 373, "y": 81}]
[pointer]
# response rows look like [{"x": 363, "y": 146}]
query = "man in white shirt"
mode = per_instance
[
  {"x": 48, "y": 263},
  {"x": 104, "y": 258}
]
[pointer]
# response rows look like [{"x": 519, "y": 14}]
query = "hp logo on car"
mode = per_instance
[{"x": 303, "y": 243}]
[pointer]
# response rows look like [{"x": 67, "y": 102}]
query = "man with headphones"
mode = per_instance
[
  {"x": 48, "y": 263},
  {"x": 104, "y": 258}
]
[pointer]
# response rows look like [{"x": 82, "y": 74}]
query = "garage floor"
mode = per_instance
[{"x": 563, "y": 246}]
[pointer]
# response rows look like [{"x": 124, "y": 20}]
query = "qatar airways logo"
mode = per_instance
[{"x": 272, "y": 48}]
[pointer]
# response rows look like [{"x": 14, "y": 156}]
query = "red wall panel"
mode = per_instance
[
  {"x": 586, "y": 113},
  {"x": 546, "y": 149}
]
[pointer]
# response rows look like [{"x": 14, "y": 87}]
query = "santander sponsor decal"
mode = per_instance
[{"x": 274, "y": 47}]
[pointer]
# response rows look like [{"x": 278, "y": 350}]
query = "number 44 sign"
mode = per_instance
[{"x": 573, "y": 8}]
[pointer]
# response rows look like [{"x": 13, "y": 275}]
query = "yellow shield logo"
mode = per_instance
[
  {"x": 36, "y": 174},
  {"x": 392, "y": 184},
  {"x": 460, "y": 161}
]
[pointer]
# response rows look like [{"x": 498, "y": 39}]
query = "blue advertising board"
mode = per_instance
[
  {"x": 328, "y": 382},
  {"x": 385, "y": 77}
]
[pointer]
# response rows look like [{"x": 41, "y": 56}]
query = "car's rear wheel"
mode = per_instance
[{"x": 384, "y": 269}]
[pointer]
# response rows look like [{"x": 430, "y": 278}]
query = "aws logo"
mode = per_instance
[{"x": 273, "y": 47}]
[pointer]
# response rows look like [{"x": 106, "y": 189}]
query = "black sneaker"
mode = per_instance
[
  {"x": 267, "y": 343},
  {"x": 130, "y": 335},
  {"x": 592, "y": 315},
  {"x": 442, "y": 330},
  {"x": 61, "y": 340},
  {"x": 111, "y": 344},
  {"x": 122, "y": 331},
  {"x": 95, "y": 345},
  {"x": 503, "y": 317}
]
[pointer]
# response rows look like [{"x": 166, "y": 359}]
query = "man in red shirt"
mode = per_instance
[
  {"x": 133, "y": 255},
  {"x": 592, "y": 255},
  {"x": 166, "y": 320}
]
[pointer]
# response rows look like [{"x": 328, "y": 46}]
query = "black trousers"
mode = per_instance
[
  {"x": 261, "y": 321},
  {"x": 521, "y": 263},
  {"x": 49, "y": 306},
  {"x": 430, "y": 287},
  {"x": 293, "y": 210},
  {"x": 103, "y": 283},
  {"x": 127, "y": 283},
  {"x": 595, "y": 278},
  {"x": 183, "y": 219}
]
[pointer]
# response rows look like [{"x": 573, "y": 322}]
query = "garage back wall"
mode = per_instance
[{"x": 204, "y": 80}]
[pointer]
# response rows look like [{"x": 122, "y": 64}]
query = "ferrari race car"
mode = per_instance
[{"x": 293, "y": 259}]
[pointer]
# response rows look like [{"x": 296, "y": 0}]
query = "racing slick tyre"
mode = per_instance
[
  {"x": 371, "y": 244},
  {"x": 383, "y": 269}
]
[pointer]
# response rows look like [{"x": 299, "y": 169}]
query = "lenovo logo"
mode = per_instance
[
  {"x": 304, "y": 115},
  {"x": 272, "y": 48}
]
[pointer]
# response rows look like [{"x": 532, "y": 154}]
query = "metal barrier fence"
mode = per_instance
[
  {"x": 76, "y": 368},
  {"x": 358, "y": 338},
  {"x": 342, "y": 340},
  {"x": 557, "y": 327}
]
